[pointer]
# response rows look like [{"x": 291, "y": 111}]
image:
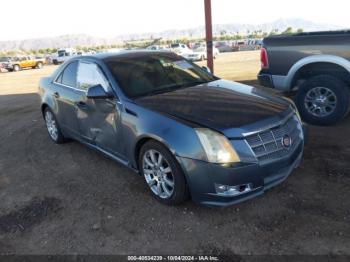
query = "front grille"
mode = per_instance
[{"x": 267, "y": 144}]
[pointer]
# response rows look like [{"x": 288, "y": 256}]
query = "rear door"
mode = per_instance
[
  {"x": 99, "y": 120},
  {"x": 66, "y": 94}
]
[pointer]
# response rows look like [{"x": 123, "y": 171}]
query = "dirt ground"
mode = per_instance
[{"x": 68, "y": 199}]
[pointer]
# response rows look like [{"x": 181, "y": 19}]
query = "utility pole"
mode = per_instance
[{"x": 209, "y": 34}]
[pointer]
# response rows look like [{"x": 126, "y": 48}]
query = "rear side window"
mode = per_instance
[
  {"x": 69, "y": 75},
  {"x": 89, "y": 74}
]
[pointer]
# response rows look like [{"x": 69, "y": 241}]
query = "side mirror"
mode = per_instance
[
  {"x": 206, "y": 69},
  {"x": 98, "y": 92}
]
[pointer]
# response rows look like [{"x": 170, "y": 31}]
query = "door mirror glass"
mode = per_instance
[{"x": 98, "y": 92}]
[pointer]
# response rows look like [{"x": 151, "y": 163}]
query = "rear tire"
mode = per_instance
[
  {"x": 176, "y": 190},
  {"x": 39, "y": 65},
  {"x": 323, "y": 100},
  {"x": 53, "y": 127}
]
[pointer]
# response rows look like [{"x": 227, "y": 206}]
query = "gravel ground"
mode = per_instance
[{"x": 68, "y": 199}]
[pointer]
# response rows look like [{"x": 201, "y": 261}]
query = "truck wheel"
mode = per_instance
[
  {"x": 16, "y": 68},
  {"x": 323, "y": 100},
  {"x": 39, "y": 65}
]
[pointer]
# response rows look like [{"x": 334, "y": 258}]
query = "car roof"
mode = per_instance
[
  {"x": 127, "y": 54},
  {"x": 315, "y": 33}
]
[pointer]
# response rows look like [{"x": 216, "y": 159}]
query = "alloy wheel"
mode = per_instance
[
  {"x": 158, "y": 174},
  {"x": 320, "y": 101},
  {"x": 51, "y": 125}
]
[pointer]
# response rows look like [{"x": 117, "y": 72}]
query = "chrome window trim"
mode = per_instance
[
  {"x": 84, "y": 90},
  {"x": 71, "y": 87},
  {"x": 59, "y": 74},
  {"x": 100, "y": 70}
]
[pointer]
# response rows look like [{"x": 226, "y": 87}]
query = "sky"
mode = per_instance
[{"x": 108, "y": 18}]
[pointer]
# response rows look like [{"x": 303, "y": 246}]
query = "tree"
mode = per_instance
[
  {"x": 78, "y": 48},
  {"x": 288, "y": 31},
  {"x": 300, "y": 30},
  {"x": 274, "y": 32},
  {"x": 223, "y": 33}
]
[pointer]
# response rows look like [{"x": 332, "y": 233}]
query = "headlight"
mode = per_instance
[
  {"x": 294, "y": 107},
  {"x": 217, "y": 147}
]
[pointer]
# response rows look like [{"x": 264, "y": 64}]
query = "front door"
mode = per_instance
[{"x": 99, "y": 120}]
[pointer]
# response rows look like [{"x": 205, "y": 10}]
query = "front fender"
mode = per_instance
[{"x": 179, "y": 138}]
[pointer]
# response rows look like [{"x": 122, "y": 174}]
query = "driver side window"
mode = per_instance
[{"x": 89, "y": 74}]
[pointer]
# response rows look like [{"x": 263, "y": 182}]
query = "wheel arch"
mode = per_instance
[
  {"x": 143, "y": 140},
  {"x": 322, "y": 64},
  {"x": 43, "y": 107},
  {"x": 48, "y": 104}
]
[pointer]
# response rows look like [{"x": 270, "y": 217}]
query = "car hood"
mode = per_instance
[{"x": 220, "y": 105}]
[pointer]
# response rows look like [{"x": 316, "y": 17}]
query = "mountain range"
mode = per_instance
[{"x": 197, "y": 32}]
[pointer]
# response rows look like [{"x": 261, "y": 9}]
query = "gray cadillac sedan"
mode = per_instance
[{"x": 187, "y": 132}]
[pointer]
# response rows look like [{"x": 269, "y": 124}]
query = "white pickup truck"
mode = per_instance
[
  {"x": 181, "y": 49},
  {"x": 64, "y": 54}
]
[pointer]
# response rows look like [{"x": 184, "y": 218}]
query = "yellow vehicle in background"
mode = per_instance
[{"x": 18, "y": 63}]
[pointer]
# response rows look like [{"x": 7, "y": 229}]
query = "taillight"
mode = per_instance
[{"x": 264, "y": 59}]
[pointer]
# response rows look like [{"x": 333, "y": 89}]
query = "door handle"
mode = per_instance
[
  {"x": 81, "y": 105},
  {"x": 56, "y": 94}
]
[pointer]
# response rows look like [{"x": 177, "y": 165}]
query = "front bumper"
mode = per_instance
[
  {"x": 7, "y": 66},
  {"x": 202, "y": 177}
]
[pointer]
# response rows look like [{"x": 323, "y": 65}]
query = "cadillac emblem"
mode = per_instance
[{"x": 286, "y": 141}]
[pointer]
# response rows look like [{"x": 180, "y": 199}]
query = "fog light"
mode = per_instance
[
  {"x": 221, "y": 189},
  {"x": 232, "y": 190}
]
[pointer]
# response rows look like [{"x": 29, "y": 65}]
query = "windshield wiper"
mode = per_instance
[
  {"x": 158, "y": 91},
  {"x": 174, "y": 87},
  {"x": 194, "y": 83}
]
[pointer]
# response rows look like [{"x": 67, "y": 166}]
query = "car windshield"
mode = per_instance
[
  {"x": 4, "y": 59},
  {"x": 156, "y": 73},
  {"x": 175, "y": 45},
  {"x": 62, "y": 53}
]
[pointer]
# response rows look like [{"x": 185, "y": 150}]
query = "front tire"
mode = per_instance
[
  {"x": 39, "y": 65},
  {"x": 323, "y": 100},
  {"x": 162, "y": 174},
  {"x": 53, "y": 127}
]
